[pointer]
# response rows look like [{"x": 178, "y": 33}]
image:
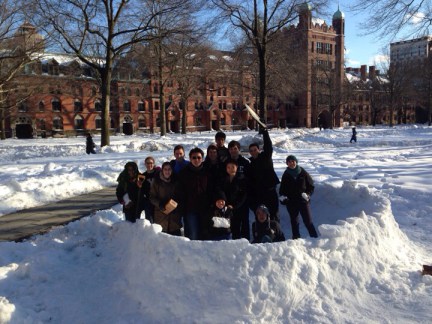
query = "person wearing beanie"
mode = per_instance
[
  {"x": 294, "y": 192},
  {"x": 265, "y": 230},
  {"x": 220, "y": 219},
  {"x": 233, "y": 188}
]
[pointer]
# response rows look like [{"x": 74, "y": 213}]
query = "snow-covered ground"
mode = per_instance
[{"x": 372, "y": 206}]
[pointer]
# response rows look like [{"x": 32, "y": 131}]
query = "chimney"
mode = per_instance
[
  {"x": 363, "y": 72},
  {"x": 372, "y": 72}
]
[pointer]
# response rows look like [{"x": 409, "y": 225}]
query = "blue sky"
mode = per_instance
[{"x": 360, "y": 49}]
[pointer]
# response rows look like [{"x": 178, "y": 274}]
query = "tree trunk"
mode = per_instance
[
  {"x": 184, "y": 117},
  {"x": 161, "y": 92},
  {"x": 106, "y": 75}
]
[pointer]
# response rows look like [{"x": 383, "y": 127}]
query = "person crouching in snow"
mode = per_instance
[
  {"x": 220, "y": 221},
  {"x": 294, "y": 192},
  {"x": 265, "y": 230}
]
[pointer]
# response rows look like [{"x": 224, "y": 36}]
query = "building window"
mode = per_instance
[
  {"x": 198, "y": 121},
  {"x": 93, "y": 91},
  {"x": 79, "y": 122},
  {"x": 127, "y": 106},
  {"x": 128, "y": 92},
  {"x": 57, "y": 123},
  {"x": 156, "y": 105},
  {"x": 155, "y": 88},
  {"x": 98, "y": 122},
  {"x": 142, "y": 122},
  {"x": 78, "y": 106},
  {"x": 41, "y": 106},
  {"x": 137, "y": 92},
  {"x": 22, "y": 107},
  {"x": 56, "y": 106},
  {"x": 98, "y": 105},
  {"x": 41, "y": 124},
  {"x": 141, "y": 106}
]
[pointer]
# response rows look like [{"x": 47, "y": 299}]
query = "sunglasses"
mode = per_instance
[{"x": 196, "y": 157}]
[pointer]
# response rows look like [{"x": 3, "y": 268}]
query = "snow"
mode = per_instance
[{"x": 372, "y": 207}]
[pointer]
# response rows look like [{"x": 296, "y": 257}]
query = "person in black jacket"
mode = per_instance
[
  {"x": 220, "y": 220},
  {"x": 354, "y": 135},
  {"x": 222, "y": 151},
  {"x": 265, "y": 230},
  {"x": 128, "y": 191},
  {"x": 295, "y": 191},
  {"x": 90, "y": 145},
  {"x": 242, "y": 215},
  {"x": 192, "y": 190},
  {"x": 263, "y": 178},
  {"x": 233, "y": 188}
]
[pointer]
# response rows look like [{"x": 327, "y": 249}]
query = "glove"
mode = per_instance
[
  {"x": 305, "y": 196},
  {"x": 283, "y": 200}
]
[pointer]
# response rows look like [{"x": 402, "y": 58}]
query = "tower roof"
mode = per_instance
[
  {"x": 305, "y": 6},
  {"x": 338, "y": 14}
]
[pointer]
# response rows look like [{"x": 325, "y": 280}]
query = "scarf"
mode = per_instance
[{"x": 294, "y": 172}]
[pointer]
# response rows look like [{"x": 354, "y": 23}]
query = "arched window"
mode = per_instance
[
  {"x": 98, "y": 105},
  {"x": 78, "y": 106},
  {"x": 56, "y": 106},
  {"x": 137, "y": 92},
  {"x": 127, "y": 119},
  {"x": 128, "y": 91},
  {"x": 127, "y": 105},
  {"x": 79, "y": 122},
  {"x": 98, "y": 122},
  {"x": 57, "y": 123},
  {"x": 141, "y": 122},
  {"x": 141, "y": 106},
  {"x": 41, "y": 106}
]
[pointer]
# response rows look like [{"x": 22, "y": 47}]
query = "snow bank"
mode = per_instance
[{"x": 101, "y": 269}]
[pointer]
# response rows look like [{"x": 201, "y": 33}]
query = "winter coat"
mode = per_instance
[
  {"x": 234, "y": 191},
  {"x": 149, "y": 176},
  {"x": 261, "y": 171},
  {"x": 223, "y": 154},
  {"x": 193, "y": 189},
  {"x": 293, "y": 188},
  {"x": 90, "y": 145},
  {"x": 269, "y": 228},
  {"x": 129, "y": 186},
  {"x": 161, "y": 192},
  {"x": 219, "y": 222}
]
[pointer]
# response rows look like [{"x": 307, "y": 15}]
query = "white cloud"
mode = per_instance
[
  {"x": 416, "y": 18},
  {"x": 378, "y": 59}
]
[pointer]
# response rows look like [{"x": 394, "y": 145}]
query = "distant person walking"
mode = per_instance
[
  {"x": 354, "y": 135},
  {"x": 90, "y": 145},
  {"x": 295, "y": 191}
]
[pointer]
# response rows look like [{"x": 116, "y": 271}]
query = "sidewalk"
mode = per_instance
[{"x": 38, "y": 220}]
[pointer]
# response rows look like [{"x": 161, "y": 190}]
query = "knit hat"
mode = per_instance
[
  {"x": 291, "y": 158},
  {"x": 264, "y": 209}
]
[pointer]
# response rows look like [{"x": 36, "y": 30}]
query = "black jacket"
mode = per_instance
[
  {"x": 293, "y": 188},
  {"x": 269, "y": 228},
  {"x": 261, "y": 172}
]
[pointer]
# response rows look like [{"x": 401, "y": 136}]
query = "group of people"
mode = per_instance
[{"x": 209, "y": 195}]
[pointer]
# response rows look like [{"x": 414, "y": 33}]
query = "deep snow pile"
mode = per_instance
[{"x": 369, "y": 205}]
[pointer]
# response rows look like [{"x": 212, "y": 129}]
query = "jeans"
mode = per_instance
[{"x": 192, "y": 225}]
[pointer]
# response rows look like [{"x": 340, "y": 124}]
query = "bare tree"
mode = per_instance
[
  {"x": 391, "y": 17},
  {"x": 99, "y": 31},
  {"x": 18, "y": 46},
  {"x": 261, "y": 21},
  {"x": 171, "y": 29}
]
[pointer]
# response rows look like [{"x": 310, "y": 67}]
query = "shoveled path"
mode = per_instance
[{"x": 38, "y": 220}]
